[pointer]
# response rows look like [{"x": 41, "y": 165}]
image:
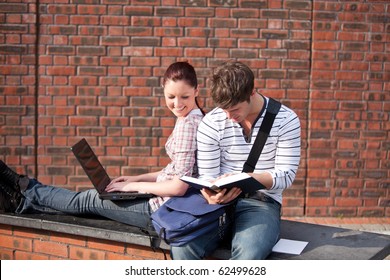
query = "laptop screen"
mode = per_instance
[{"x": 91, "y": 165}]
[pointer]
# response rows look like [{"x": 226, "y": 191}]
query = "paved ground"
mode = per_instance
[{"x": 376, "y": 225}]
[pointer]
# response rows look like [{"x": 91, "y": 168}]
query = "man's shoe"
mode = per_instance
[
  {"x": 11, "y": 178},
  {"x": 9, "y": 198}
]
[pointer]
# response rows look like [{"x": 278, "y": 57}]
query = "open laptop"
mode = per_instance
[{"x": 98, "y": 175}]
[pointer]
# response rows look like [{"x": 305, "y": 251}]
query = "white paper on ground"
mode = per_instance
[{"x": 288, "y": 246}]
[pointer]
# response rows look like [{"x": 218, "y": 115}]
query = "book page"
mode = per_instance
[
  {"x": 232, "y": 178},
  {"x": 288, "y": 246},
  {"x": 196, "y": 181}
]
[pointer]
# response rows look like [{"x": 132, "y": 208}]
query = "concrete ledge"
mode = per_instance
[
  {"x": 83, "y": 226},
  {"x": 325, "y": 242}
]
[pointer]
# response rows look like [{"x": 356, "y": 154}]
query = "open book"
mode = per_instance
[{"x": 245, "y": 182}]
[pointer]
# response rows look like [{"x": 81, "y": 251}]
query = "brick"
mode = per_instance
[
  {"x": 384, "y": 202},
  {"x": 13, "y": 28},
  {"x": 6, "y": 254},
  {"x": 163, "y": 52},
  {"x": 60, "y": 70},
  {"x": 114, "y": 121},
  {"x": 138, "y": 51},
  {"x": 145, "y": 141},
  {"x": 143, "y": 253},
  {"x": 92, "y": 30},
  {"x": 142, "y": 61},
  {"x": 83, "y": 50},
  {"x": 80, "y": 253},
  {"x": 144, "y": 41},
  {"x": 276, "y": 34},
  {"x": 317, "y": 212},
  {"x": 348, "y": 202},
  {"x": 10, "y": 49},
  {"x": 272, "y": 74},
  {"x": 219, "y": 3},
  {"x": 64, "y": 50},
  {"x": 138, "y": 11},
  {"x": 51, "y": 248},
  {"x": 342, "y": 211},
  {"x": 372, "y": 194},
  {"x": 274, "y": 14},
  {"x": 245, "y": 13},
  {"x": 194, "y": 52},
  {"x": 19, "y": 243},
  {"x": 144, "y": 101},
  {"x": 203, "y": 12},
  {"x": 371, "y": 212},
  {"x": 173, "y": 12},
  {"x": 222, "y": 23},
  {"x": 62, "y": 30},
  {"x": 115, "y": 41},
  {"x": 140, "y": 24},
  {"x": 240, "y": 53},
  {"x": 296, "y": 45},
  {"x": 115, "y": 20},
  {"x": 318, "y": 202},
  {"x": 106, "y": 245},
  {"x": 299, "y": 5},
  {"x": 113, "y": 81},
  {"x": 244, "y": 33},
  {"x": 20, "y": 255},
  {"x": 144, "y": 122},
  {"x": 378, "y": 18},
  {"x": 374, "y": 174},
  {"x": 169, "y": 31},
  {"x": 5, "y": 229},
  {"x": 113, "y": 256},
  {"x": 254, "y": 4},
  {"x": 252, "y": 23},
  {"x": 136, "y": 151},
  {"x": 95, "y": 70},
  {"x": 13, "y": 8},
  {"x": 62, "y": 170}
]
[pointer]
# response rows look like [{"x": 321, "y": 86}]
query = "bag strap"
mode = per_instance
[{"x": 265, "y": 128}]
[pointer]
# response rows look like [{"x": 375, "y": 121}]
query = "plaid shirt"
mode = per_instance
[{"x": 181, "y": 148}]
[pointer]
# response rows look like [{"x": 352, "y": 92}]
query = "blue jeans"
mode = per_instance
[
  {"x": 254, "y": 232},
  {"x": 39, "y": 198}
]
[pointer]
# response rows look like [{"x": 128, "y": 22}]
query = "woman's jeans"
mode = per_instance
[
  {"x": 40, "y": 198},
  {"x": 255, "y": 230}
]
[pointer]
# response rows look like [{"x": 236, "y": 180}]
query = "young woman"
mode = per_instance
[{"x": 20, "y": 194}]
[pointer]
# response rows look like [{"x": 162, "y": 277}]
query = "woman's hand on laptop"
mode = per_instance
[
  {"x": 122, "y": 184},
  {"x": 124, "y": 179},
  {"x": 121, "y": 187}
]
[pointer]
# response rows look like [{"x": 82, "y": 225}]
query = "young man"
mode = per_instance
[{"x": 225, "y": 138}]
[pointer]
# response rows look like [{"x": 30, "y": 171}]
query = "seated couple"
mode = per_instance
[{"x": 207, "y": 146}]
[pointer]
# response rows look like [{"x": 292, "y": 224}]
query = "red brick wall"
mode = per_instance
[
  {"x": 348, "y": 156},
  {"x": 96, "y": 74},
  {"x": 19, "y": 243}
]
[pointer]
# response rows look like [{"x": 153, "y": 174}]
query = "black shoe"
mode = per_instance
[
  {"x": 9, "y": 198},
  {"x": 11, "y": 178}
]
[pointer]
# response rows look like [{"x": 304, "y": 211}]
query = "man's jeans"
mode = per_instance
[
  {"x": 255, "y": 230},
  {"x": 40, "y": 198}
]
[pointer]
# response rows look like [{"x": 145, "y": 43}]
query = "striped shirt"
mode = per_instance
[
  {"x": 181, "y": 148},
  {"x": 223, "y": 148}
]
